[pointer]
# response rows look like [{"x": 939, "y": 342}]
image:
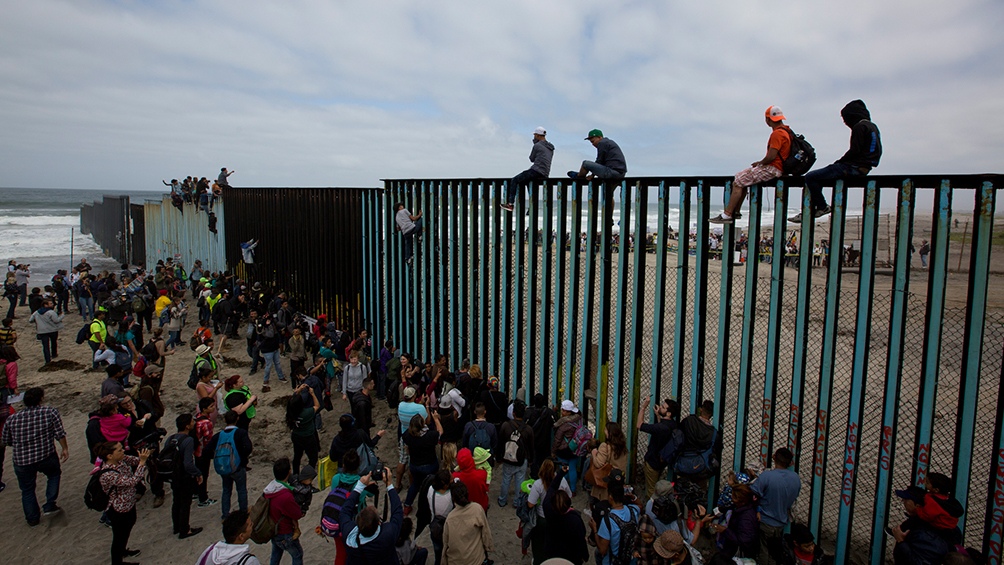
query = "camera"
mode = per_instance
[{"x": 377, "y": 474}]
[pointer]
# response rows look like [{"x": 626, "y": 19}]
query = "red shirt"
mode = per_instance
[{"x": 203, "y": 433}]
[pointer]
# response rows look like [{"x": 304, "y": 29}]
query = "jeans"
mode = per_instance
[
  {"x": 272, "y": 360},
  {"x": 173, "y": 338},
  {"x": 12, "y": 299},
  {"x": 22, "y": 291},
  {"x": 26, "y": 475},
  {"x": 520, "y": 182},
  {"x": 510, "y": 471},
  {"x": 285, "y": 543},
  {"x": 771, "y": 545},
  {"x": 418, "y": 474},
  {"x": 240, "y": 478},
  {"x": 601, "y": 171},
  {"x": 87, "y": 307},
  {"x": 814, "y": 180},
  {"x": 49, "y": 345},
  {"x": 122, "y": 524},
  {"x": 409, "y": 240},
  {"x": 94, "y": 349},
  {"x": 573, "y": 471}
]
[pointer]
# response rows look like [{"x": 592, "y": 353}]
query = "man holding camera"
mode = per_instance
[{"x": 367, "y": 539}]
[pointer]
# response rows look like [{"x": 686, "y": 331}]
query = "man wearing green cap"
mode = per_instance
[{"x": 609, "y": 163}]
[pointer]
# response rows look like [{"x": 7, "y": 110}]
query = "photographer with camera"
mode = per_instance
[{"x": 367, "y": 538}]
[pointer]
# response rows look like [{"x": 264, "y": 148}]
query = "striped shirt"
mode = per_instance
[{"x": 31, "y": 432}]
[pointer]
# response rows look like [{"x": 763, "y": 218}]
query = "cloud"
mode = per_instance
[{"x": 120, "y": 94}]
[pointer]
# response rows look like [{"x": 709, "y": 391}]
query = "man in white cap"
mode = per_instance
[
  {"x": 540, "y": 156},
  {"x": 770, "y": 167},
  {"x": 564, "y": 431}
]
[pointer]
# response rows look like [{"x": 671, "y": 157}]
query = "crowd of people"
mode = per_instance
[{"x": 201, "y": 192}]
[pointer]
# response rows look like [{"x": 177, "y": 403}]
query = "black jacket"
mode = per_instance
[{"x": 866, "y": 142}]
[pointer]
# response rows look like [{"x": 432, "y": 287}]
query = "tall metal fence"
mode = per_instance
[
  {"x": 184, "y": 234},
  {"x": 872, "y": 374},
  {"x": 308, "y": 245},
  {"x": 108, "y": 222}
]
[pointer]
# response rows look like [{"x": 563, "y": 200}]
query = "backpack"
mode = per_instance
[
  {"x": 367, "y": 459},
  {"x": 138, "y": 305},
  {"x": 262, "y": 526},
  {"x": 437, "y": 525},
  {"x": 579, "y": 442},
  {"x": 195, "y": 341},
  {"x": 95, "y": 496},
  {"x": 226, "y": 460},
  {"x": 332, "y": 509},
  {"x": 514, "y": 452},
  {"x": 193, "y": 377},
  {"x": 165, "y": 316},
  {"x": 698, "y": 463},
  {"x": 627, "y": 537},
  {"x": 802, "y": 155},
  {"x": 84, "y": 334},
  {"x": 167, "y": 461},
  {"x": 480, "y": 437},
  {"x": 150, "y": 351},
  {"x": 58, "y": 286},
  {"x": 140, "y": 366},
  {"x": 669, "y": 508},
  {"x": 669, "y": 451}
]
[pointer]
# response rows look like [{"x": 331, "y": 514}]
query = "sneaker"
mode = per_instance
[
  {"x": 506, "y": 206},
  {"x": 3, "y": 485},
  {"x": 573, "y": 174},
  {"x": 54, "y": 510},
  {"x": 720, "y": 219},
  {"x": 33, "y": 523},
  {"x": 266, "y": 388},
  {"x": 105, "y": 521},
  {"x": 283, "y": 380},
  {"x": 192, "y": 532},
  {"x": 253, "y": 371},
  {"x": 131, "y": 552},
  {"x": 796, "y": 219},
  {"x": 502, "y": 503},
  {"x": 158, "y": 502},
  {"x": 207, "y": 502},
  {"x": 820, "y": 212}
]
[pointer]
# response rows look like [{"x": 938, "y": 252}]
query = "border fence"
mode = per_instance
[
  {"x": 872, "y": 376},
  {"x": 108, "y": 222},
  {"x": 183, "y": 234}
]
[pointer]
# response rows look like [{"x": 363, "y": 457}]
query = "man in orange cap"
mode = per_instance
[{"x": 770, "y": 167}]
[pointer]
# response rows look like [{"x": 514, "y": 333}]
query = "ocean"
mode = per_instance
[{"x": 37, "y": 225}]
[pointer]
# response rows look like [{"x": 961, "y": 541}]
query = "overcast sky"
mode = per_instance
[{"x": 122, "y": 94}]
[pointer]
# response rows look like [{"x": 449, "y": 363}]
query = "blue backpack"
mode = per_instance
[
  {"x": 480, "y": 437},
  {"x": 698, "y": 463},
  {"x": 226, "y": 460}
]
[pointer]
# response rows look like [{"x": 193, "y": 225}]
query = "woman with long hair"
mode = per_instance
[
  {"x": 119, "y": 476},
  {"x": 538, "y": 535},
  {"x": 611, "y": 454},
  {"x": 303, "y": 433},
  {"x": 421, "y": 442}
]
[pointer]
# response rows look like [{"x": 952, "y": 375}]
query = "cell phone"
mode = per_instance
[{"x": 717, "y": 511}]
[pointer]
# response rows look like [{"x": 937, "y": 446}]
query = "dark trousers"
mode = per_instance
[
  {"x": 63, "y": 303},
  {"x": 814, "y": 180},
  {"x": 22, "y": 291},
  {"x": 203, "y": 464},
  {"x": 520, "y": 182},
  {"x": 255, "y": 355},
  {"x": 26, "y": 476},
  {"x": 181, "y": 505},
  {"x": 122, "y": 523},
  {"x": 12, "y": 300},
  {"x": 145, "y": 318},
  {"x": 305, "y": 444},
  {"x": 49, "y": 345},
  {"x": 409, "y": 240},
  {"x": 420, "y": 557}
]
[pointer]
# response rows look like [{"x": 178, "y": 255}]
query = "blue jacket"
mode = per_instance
[{"x": 381, "y": 547}]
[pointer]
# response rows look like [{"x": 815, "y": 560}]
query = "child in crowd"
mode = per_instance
[
  {"x": 800, "y": 547},
  {"x": 939, "y": 509},
  {"x": 303, "y": 487},
  {"x": 482, "y": 460},
  {"x": 408, "y": 552}
]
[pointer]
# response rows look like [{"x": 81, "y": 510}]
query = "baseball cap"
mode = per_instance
[
  {"x": 540, "y": 131},
  {"x": 569, "y": 406},
  {"x": 774, "y": 113},
  {"x": 446, "y": 402},
  {"x": 409, "y": 392},
  {"x": 913, "y": 493},
  {"x": 616, "y": 475},
  {"x": 594, "y": 133},
  {"x": 668, "y": 544}
]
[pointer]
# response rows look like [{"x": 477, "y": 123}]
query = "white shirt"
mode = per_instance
[
  {"x": 537, "y": 493},
  {"x": 443, "y": 503},
  {"x": 404, "y": 222}
]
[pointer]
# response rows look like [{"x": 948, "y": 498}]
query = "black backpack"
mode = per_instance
[
  {"x": 95, "y": 496},
  {"x": 150, "y": 352},
  {"x": 802, "y": 155},
  {"x": 627, "y": 539},
  {"x": 84, "y": 333},
  {"x": 169, "y": 459}
]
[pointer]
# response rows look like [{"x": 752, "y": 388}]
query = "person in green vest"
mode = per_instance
[
  {"x": 240, "y": 400},
  {"x": 99, "y": 333},
  {"x": 204, "y": 358}
]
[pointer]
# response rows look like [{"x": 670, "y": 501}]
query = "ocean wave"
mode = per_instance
[
  {"x": 24, "y": 243},
  {"x": 37, "y": 220}
]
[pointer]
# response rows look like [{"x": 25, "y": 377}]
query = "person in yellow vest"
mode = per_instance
[
  {"x": 99, "y": 333},
  {"x": 163, "y": 301}
]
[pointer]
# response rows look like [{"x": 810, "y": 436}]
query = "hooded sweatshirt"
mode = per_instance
[
  {"x": 46, "y": 321},
  {"x": 282, "y": 507},
  {"x": 866, "y": 143},
  {"x": 541, "y": 155},
  {"x": 223, "y": 553},
  {"x": 475, "y": 479},
  {"x": 939, "y": 510}
]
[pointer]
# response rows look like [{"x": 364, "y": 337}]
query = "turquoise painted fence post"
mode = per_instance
[
  {"x": 543, "y": 340},
  {"x": 724, "y": 335},
  {"x": 994, "y": 519},
  {"x": 603, "y": 335},
  {"x": 485, "y": 204},
  {"x": 682, "y": 272},
  {"x": 972, "y": 345},
  {"x": 859, "y": 370},
  {"x": 749, "y": 328},
  {"x": 496, "y": 276},
  {"x": 519, "y": 351},
  {"x": 559, "y": 378},
  {"x": 534, "y": 382},
  {"x": 821, "y": 432},
  {"x": 774, "y": 315},
  {"x": 465, "y": 279},
  {"x": 454, "y": 279},
  {"x": 638, "y": 320},
  {"x": 659, "y": 314},
  {"x": 571, "y": 335},
  {"x": 588, "y": 295},
  {"x": 804, "y": 305},
  {"x": 505, "y": 349},
  {"x": 700, "y": 325},
  {"x": 617, "y": 359}
]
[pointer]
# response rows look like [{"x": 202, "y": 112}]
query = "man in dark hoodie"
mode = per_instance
[
  {"x": 860, "y": 159},
  {"x": 540, "y": 156},
  {"x": 185, "y": 478}
]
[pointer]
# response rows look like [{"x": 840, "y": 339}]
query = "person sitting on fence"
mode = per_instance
[
  {"x": 410, "y": 226},
  {"x": 768, "y": 168},
  {"x": 609, "y": 163},
  {"x": 540, "y": 156}
]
